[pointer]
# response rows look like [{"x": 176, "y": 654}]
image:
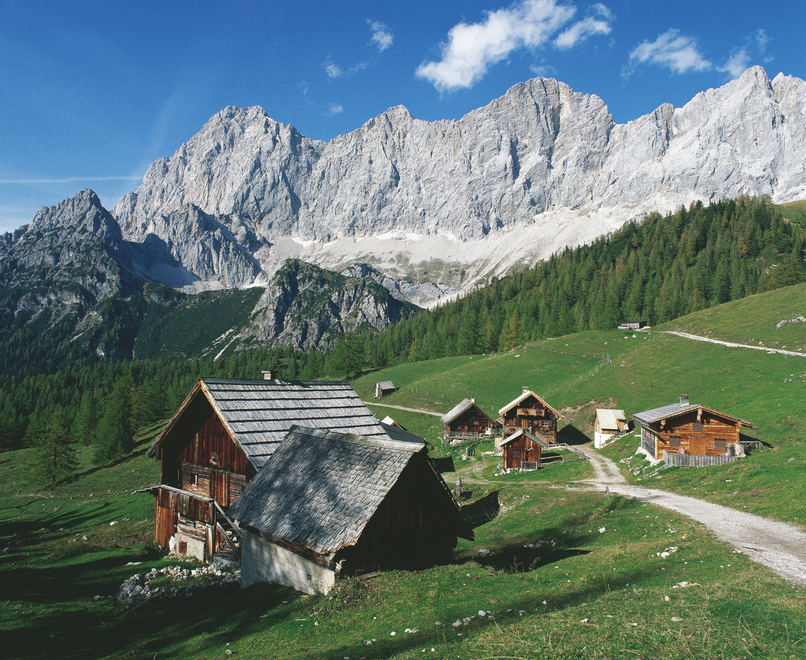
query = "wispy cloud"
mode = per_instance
[
  {"x": 672, "y": 50},
  {"x": 382, "y": 36},
  {"x": 737, "y": 63},
  {"x": 741, "y": 58},
  {"x": 333, "y": 70},
  {"x": 69, "y": 179},
  {"x": 597, "y": 23},
  {"x": 472, "y": 48},
  {"x": 334, "y": 109}
]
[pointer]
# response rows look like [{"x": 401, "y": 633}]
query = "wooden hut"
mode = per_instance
[
  {"x": 690, "y": 429},
  {"x": 530, "y": 413},
  {"x": 384, "y": 387},
  {"x": 522, "y": 448},
  {"x": 331, "y": 504},
  {"x": 467, "y": 421},
  {"x": 219, "y": 439},
  {"x": 608, "y": 422}
]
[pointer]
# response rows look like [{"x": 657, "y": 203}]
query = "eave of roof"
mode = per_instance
[
  {"x": 676, "y": 410},
  {"x": 514, "y": 403}
]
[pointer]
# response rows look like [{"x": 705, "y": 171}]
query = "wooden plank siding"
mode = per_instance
[
  {"x": 472, "y": 421},
  {"x": 522, "y": 449},
  {"x": 700, "y": 433},
  {"x": 531, "y": 416}
]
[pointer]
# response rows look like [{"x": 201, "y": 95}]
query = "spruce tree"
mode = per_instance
[{"x": 114, "y": 437}]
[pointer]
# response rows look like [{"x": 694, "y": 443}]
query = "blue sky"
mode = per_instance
[{"x": 91, "y": 92}]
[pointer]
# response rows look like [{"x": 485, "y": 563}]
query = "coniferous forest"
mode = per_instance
[{"x": 655, "y": 270}]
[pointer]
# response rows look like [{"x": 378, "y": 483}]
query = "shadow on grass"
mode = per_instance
[
  {"x": 571, "y": 435},
  {"x": 483, "y": 510},
  {"x": 444, "y": 464}
]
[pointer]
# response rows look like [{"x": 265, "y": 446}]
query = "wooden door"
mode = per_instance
[
  {"x": 219, "y": 487},
  {"x": 697, "y": 444}
]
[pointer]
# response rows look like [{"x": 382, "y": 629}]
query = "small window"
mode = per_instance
[
  {"x": 720, "y": 443},
  {"x": 516, "y": 453},
  {"x": 545, "y": 423},
  {"x": 674, "y": 440},
  {"x": 697, "y": 427}
]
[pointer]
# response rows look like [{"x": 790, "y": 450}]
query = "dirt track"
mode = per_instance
[{"x": 779, "y": 546}]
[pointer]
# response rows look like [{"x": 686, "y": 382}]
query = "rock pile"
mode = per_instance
[{"x": 174, "y": 581}]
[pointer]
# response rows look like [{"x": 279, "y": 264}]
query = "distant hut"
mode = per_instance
[
  {"x": 530, "y": 413},
  {"x": 466, "y": 421},
  {"x": 221, "y": 436},
  {"x": 608, "y": 422},
  {"x": 383, "y": 388},
  {"x": 632, "y": 325},
  {"x": 523, "y": 447},
  {"x": 686, "y": 429},
  {"x": 331, "y": 504}
]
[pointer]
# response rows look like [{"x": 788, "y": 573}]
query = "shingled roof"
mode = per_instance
[
  {"x": 675, "y": 410},
  {"x": 460, "y": 408},
  {"x": 259, "y": 413},
  {"x": 526, "y": 394},
  {"x": 321, "y": 488}
]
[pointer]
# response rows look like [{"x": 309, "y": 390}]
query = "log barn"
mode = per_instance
[
  {"x": 330, "y": 504},
  {"x": 221, "y": 436},
  {"x": 467, "y": 421},
  {"x": 530, "y": 413},
  {"x": 522, "y": 447},
  {"x": 689, "y": 428}
]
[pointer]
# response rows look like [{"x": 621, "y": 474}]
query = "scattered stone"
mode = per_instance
[
  {"x": 113, "y": 523},
  {"x": 602, "y": 530},
  {"x": 676, "y": 619}
]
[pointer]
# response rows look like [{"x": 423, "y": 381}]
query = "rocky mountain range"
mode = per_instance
[{"x": 398, "y": 211}]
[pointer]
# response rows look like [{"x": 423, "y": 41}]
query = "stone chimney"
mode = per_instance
[
  {"x": 684, "y": 400},
  {"x": 270, "y": 373},
  {"x": 525, "y": 389}
]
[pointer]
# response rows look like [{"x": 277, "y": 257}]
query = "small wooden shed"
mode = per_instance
[
  {"x": 522, "y": 447},
  {"x": 608, "y": 422},
  {"x": 690, "y": 429},
  {"x": 330, "y": 504},
  {"x": 384, "y": 387},
  {"x": 530, "y": 413},
  {"x": 467, "y": 420},
  {"x": 222, "y": 435}
]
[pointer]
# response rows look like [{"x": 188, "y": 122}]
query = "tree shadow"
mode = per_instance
[{"x": 482, "y": 511}]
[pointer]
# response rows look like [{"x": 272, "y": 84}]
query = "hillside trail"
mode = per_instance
[
  {"x": 686, "y": 335},
  {"x": 779, "y": 546},
  {"x": 414, "y": 410}
]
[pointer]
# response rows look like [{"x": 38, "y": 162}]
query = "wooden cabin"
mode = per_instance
[
  {"x": 384, "y": 387},
  {"x": 530, "y": 413},
  {"x": 522, "y": 447},
  {"x": 689, "y": 428},
  {"x": 608, "y": 422},
  {"x": 467, "y": 421},
  {"x": 331, "y": 504},
  {"x": 632, "y": 325},
  {"x": 221, "y": 436}
]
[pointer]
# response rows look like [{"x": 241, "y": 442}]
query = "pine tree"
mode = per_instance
[
  {"x": 114, "y": 437},
  {"x": 55, "y": 450}
]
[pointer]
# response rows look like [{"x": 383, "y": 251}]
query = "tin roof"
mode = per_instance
[
  {"x": 259, "y": 413},
  {"x": 675, "y": 410},
  {"x": 321, "y": 488}
]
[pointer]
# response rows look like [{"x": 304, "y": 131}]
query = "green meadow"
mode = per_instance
[{"x": 555, "y": 570}]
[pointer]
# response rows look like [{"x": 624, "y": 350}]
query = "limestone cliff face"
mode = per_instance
[{"x": 540, "y": 155}]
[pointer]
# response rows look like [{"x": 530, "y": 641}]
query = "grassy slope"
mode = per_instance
[{"x": 607, "y": 593}]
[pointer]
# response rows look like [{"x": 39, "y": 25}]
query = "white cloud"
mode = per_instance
[
  {"x": 381, "y": 35},
  {"x": 588, "y": 27},
  {"x": 737, "y": 63},
  {"x": 333, "y": 70},
  {"x": 334, "y": 109},
  {"x": 672, "y": 50},
  {"x": 471, "y": 49}
]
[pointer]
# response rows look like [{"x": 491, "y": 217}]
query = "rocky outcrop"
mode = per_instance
[
  {"x": 410, "y": 196},
  {"x": 305, "y": 306}
]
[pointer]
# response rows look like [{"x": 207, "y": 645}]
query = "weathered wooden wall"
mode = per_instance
[
  {"x": 697, "y": 437},
  {"x": 522, "y": 449},
  {"x": 532, "y": 416}
]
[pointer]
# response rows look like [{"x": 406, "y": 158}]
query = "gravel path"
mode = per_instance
[
  {"x": 686, "y": 335},
  {"x": 414, "y": 410},
  {"x": 777, "y": 545}
]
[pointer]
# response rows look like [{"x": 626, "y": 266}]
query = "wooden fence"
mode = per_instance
[{"x": 687, "y": 460}]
